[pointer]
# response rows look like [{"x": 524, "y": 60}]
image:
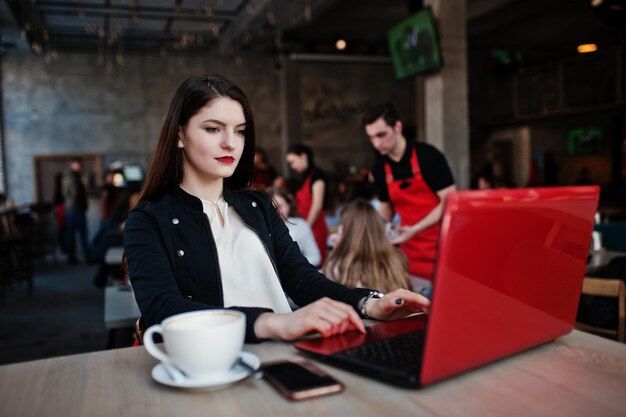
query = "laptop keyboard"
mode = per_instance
[{"x": 400, "y": 352}]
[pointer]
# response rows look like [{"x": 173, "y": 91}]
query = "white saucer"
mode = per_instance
[{"x": 235, "y": 374}]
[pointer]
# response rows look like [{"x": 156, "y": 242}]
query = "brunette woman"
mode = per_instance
[
  {"x": 363, "y": 256},
  {"x": 201, "y": 239},
  {"x": 310, "y": 194}
]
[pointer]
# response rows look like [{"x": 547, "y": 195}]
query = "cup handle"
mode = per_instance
[{"x": 148, "y": 342}]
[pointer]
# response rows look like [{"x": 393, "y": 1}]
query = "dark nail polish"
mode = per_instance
[{"x": 398, "y": 301}]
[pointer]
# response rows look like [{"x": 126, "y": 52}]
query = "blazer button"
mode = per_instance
[
  {"x": 175, "y": 221},
  {"x": 254, "y": 204},
  {"x": 190, "y": 297},
  {"x": 180, "y": 253}
]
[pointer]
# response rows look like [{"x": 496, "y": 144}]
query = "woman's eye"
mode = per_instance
[
  {"x": 212, "y": 129},
  {"x": 241, "y": 132}
]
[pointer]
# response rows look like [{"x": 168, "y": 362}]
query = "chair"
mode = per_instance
[
  {"x": 15, "y": 254},
  {"x": 140, "y": 328},
  {"x": 612, "y": 288}
]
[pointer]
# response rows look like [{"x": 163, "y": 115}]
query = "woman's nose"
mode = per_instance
[{"x": 228, "y": 141}]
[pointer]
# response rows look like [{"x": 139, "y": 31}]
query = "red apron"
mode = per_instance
[
  {"x": 413, "y": 201},
  {"x": 304, "y": 199}
]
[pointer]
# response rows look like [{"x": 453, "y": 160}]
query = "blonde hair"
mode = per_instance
[{"x": 364, "y": 256}]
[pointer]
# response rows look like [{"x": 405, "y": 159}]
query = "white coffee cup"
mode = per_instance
[{"x": 200, "y": 343}]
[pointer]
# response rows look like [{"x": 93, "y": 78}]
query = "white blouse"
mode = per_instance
[
  {"x": 248, "y": 276},
  {"x": 301, "y": 232}
]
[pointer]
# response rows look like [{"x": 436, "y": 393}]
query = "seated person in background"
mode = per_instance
[
  {"x": 334, "y": 201},
  {"x": 584, "y": 177},
  {"x": 281, "y": 183},
  {"x": 299, "y": 229},
  {"x": 200, "y": 238},
  {"x": 484, "y": 180},
  {"x": 363, "y": 255},
  {"x": 112, "y": 235},
  {"x": 264, "y": 173}
]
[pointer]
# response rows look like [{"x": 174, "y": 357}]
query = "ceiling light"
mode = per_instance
[
  {"x": 587, "y": 48},
  {"x": 341, "y": 44}
]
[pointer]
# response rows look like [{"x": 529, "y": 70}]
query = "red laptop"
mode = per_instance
[{"x": 509, "y": 276}]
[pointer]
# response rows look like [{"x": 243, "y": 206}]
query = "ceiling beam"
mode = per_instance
[
  {"x": 52, "y": 7},
  {"x": 250, "y": 16},
  {"x": 477, "y": 8},
  {"x": 255, "y": 20},
  {"x": 146, "y": 16},
  {"x": 28, "y": 18}
]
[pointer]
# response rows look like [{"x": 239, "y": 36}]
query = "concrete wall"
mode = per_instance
[
  {"x": 520, "y": 146},
  {"x": 545, "y": 142},
  {"x": 552, "y": 138},
  {"x": 72, "y": 106},
  {"x": 334, "y": 96}
]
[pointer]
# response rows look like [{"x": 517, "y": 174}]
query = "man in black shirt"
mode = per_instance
[{"x": 413, "y": 180}]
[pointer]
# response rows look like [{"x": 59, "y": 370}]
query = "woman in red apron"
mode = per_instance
[
  {"x": 413, "y": 199},
  {"x": 310, "y": 195}
]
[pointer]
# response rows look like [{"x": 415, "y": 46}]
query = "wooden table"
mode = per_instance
[{"x": 578, "y": 375}]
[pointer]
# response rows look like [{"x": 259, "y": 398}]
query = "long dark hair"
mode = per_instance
[
  {"x": 167, "y": 168},
  {"x": 288, "y": 197},
  {"x": 301, "y": 149}
]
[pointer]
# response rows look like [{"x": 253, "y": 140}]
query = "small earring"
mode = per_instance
[{"x": 180, "y": 144}]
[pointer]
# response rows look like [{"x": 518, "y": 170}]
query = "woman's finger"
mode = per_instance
[{"x": 347, "y": 310}]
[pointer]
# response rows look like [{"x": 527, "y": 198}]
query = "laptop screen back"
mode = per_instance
[{"x": 509, "y": 274}]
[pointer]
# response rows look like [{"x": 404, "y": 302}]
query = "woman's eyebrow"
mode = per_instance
[{"x": 219, "y": 122}]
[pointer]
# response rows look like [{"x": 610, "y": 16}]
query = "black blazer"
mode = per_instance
[{"x": 173, "y": 264}]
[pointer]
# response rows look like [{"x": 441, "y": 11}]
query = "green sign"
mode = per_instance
[{"x": 414, "y": 45}]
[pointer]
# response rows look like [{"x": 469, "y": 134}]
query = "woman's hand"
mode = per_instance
[
  {"x": 326, "y": 316},
  {"x": 396, "y": 305},
  {"x": 402, "y": 234}
]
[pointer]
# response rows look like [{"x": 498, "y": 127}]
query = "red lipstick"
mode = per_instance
[{"x": 226, "y": 159}]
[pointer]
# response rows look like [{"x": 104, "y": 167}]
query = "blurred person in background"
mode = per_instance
[
  {"x": 310, "y": 193},
  {"x": 299, "y": 229},
  {"x": 584, "y": 177},
  {"x": 412, "y": 179},
  {"x": 363, "y": 256},
  {"x": 75, "y": 195},
  {"x": 112, "y": 235},
  {"x": 264, "y": 173},
  {"x": 109, "y": 196},
  {"x": 484, "y": 180},
  {"x": 59, "y": 211}
]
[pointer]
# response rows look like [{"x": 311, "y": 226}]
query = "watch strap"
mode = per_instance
[{"x": 363, "y": 306}]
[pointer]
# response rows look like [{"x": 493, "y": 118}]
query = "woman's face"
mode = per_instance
[
  {"x": 299, "y": 163},
  {"x": 283, "y": 206},
  {"x": 483, "y": 183},
  {"x": 213, "y": 140}
]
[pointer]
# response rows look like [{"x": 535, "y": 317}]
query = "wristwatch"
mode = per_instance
[{"x": 363, "y": 306}]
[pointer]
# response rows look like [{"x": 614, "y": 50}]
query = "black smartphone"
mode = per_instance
[{"x": 300, "y": 380}]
